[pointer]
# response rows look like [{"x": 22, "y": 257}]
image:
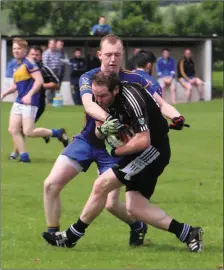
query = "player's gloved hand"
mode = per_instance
[
  {"x": 110, "y": 126},
  {"x": 178, "y": 123}
]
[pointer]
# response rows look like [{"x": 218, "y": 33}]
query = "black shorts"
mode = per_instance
[
  {"x": 146, "y": 177},
  {"x": 41, "y": 109}
]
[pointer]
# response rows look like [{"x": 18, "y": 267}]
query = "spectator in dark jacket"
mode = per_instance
[
  {"x": 131, "y": 61},
  {"x": 78, "y": 67}
]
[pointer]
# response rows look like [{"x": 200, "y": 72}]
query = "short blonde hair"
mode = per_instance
[
  {"x": 21, "y": 42},
  {"x": 112, "y": 39}
]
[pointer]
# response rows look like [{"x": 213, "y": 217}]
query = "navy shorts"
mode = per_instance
[{"x": 82, "y": 152}]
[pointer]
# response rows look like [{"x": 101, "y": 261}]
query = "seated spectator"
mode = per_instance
[
  {"x": 187, "y": 75},
  {"x": 101, "y": 29},
  {"x": 166, "y": 73},
  {"x": 78, "y": 67},
  {"x": 11, "y": 68},
  {"x": 131, "y": 61},
  {"x": 92, "y": 60}
]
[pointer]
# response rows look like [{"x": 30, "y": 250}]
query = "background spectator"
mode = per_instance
[
  {"x": 187, "y": 75},
  {"x": 43, "y": 48},
  {"x": 92, "y": 61},
  {"x": 78, "y": 67},
  {"x": 101, "y": 29},
  {"x": 60, "y": 48},
  {"x": 166, "y": 72},
  {"x": 131, "y": 62},
  {"x": 51, "y": 58}
]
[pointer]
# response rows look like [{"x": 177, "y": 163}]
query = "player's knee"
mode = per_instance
[
  {"x": 52, "y": 187},
  {"x": 99, "y": 188},
  {"x": 28, "y": 132},
  {"x": 111, "y": 204},
  {"x": 13, "y": 131}
]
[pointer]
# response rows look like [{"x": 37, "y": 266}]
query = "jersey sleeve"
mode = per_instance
[
  {"x": 85, "y": 82},
  {"x": 140, "y": 80},
  {"x": 136, "y": 107},
  {"x": 31, "y": 66}
]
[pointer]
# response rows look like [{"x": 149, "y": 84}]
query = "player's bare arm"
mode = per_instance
[
  {"x": 11, "y": 90},
  {"x": 137, "y": 143}
]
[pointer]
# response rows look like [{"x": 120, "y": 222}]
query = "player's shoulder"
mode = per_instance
[
  {"x": 30, "y": 63},
  {"x": 129, "y": 73},
  {"x": 87, "y": 76}
]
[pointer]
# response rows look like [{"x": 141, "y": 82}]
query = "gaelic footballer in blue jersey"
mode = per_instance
[
  {"x": 27, "y": 82},
  {"x": 74, "y": 158}
]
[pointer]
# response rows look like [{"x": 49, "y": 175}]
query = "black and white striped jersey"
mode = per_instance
[{"x": 135, "y": 107}]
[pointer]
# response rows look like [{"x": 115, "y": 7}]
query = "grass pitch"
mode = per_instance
[{"x": 190, "y": 189}]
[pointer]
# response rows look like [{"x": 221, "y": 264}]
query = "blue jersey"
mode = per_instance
[
  {"x": 24, "y": 81},
  {"x": 11, "y": 68},
  {"x": 85, "y": 86},
  {"x": 154, "y": 83},
  {"x": 166, "y": 67}
]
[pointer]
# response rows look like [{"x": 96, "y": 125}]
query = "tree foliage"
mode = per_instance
[
  {"x": 74, "y": 18},
  {"x": 28, "y": 16},
  {"x": 137, "y": 18}
]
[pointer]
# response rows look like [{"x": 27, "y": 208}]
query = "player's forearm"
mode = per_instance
[
  {"x": 135, "y": 145},
  {"x": 36, "y": 86},
  {"x": 51, "y": 85},
  {"x": 11, "y": 90},
  {"x": 169, "y": 111}
]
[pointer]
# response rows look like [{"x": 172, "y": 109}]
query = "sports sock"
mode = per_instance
[
  {"x": 181, "y": 230},
  {"x": 136, "y": 226},
  {"x": 14, "y": 154},
  {"x": 53, "y": 228},
  {"x": 24, "y": 157},
  {"x": 56, "y": 133},
  {"x": 76, "y": 231}
]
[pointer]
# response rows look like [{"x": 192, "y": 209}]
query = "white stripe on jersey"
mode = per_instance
[{"x": 133, "y": 102}]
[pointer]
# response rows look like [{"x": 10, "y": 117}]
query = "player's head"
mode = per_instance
[
  {"x": 19, "y": 48},
  {"x": 35, "y": 52},
  {"x": 77, "y": 53},
  {"x": 105, "y": 87},
  {"x": 145, "y": 60},
  {"x": 102, "y": 20},
  {"x": 110, "y": 53},
  {"x": 165, "y": 53},
  {"x": 187, "y": 53}
]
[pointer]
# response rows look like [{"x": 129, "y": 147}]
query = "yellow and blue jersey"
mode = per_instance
[
  {"x": 154, "y": 83},
  {"x": 24, "y": 81},
  {"x": 85, "y": 86}
]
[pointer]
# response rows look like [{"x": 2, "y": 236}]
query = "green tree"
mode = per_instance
[
  {"x": 28, "y": 16},
  {"x": 137, "y": 18},
  {"x": 74, "y": 18}
]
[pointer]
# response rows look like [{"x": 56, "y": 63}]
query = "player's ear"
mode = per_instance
[
  {"x": 99, "y": 54},
  {"x": 116, "y": 90}
]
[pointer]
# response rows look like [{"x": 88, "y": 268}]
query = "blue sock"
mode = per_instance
[
  {"x": 56, "y": 133},
  {"x": 24, "y": 156},
  {"x": 138, "y": 225}
]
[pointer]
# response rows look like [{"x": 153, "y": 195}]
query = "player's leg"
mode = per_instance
[
  {"x": 188, "y": 88},
  {"x": 73, "y": 159},
  {"x": 63, "y": 171},
  {"x": 173, "y": 91},
  {"x": 104, "y": 184},
  {"x": 15, "y": 127},
  {"x": 199, "y": 83},
  {"x": 29, "y": 130},
  {"x": 40, "y": 111}
]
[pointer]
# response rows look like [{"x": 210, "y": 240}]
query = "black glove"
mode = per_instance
[
  {"x": 178, "y": 123},
  {"x": 112, "y": 152}
]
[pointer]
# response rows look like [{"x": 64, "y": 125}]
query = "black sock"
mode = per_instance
[
  {"x": 136, "y": 226},
  {"x": 53, "y": 228},
  {"x": 76, "y": 230},
  {"x": 181, "y": 230}
]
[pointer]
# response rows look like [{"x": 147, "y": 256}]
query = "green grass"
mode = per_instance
[
  {"x": 217, "y": 80},
  {"x": 191, "y": 190}
]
